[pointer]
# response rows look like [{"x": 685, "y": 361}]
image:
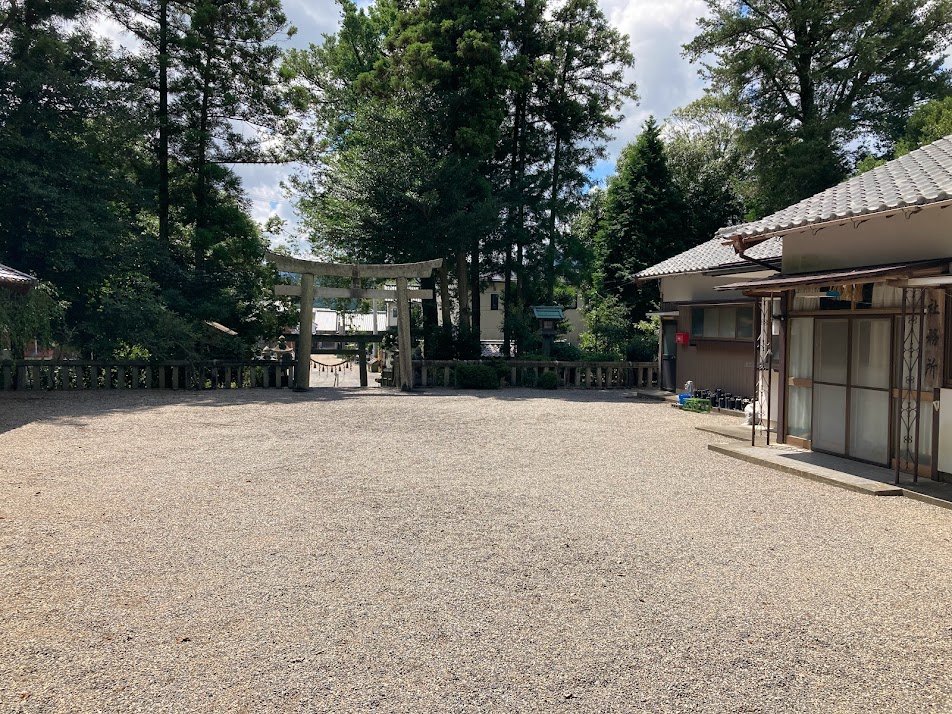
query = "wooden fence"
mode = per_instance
[
  {"x": 76, "y": 374},
  {"x": 577, "y": 375}
]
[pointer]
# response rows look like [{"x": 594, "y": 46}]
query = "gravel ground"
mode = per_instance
[{"x": 515, "y": 551}]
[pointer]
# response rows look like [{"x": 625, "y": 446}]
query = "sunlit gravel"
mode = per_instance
[{"x": 348, "y": 551}]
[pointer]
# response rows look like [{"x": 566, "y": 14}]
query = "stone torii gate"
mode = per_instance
[{"x": 308, "y": 269}]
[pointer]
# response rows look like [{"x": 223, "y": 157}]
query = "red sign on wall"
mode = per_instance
[{"x": 682, "y": 338}]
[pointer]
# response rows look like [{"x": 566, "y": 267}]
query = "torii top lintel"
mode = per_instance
[{"x": 288, "y": 264}]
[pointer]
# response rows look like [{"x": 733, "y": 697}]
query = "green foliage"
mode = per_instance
[
  {"x": 523, "y": 329},
  {"x": 566, "y": 352},
  {"x": 809, "y": 78},
  {"x": 929, "y": 122},
  {"x": 35, "y": 315},
  {"x": 643, "y": 346},
  {"x": 477, "y": 376},
  {"x": 706, "y": 163},
  {"x": 467, "y": 345},
  {"x": 462, "y": 130},
  {"x": 609, "y": 327},
  {"x": 82, "y": 178},
  {"x": 595, "y": 356},
  {"x": 644, "y": 222},
  {"x": 548, "y": 380},
  {"x": 528, "y": 378}
]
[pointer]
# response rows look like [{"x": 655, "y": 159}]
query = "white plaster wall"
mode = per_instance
[
  {"x": 490, "y": 325},
  {"x": 924, "y": 235},
  {"x": 692, "y": 288}
]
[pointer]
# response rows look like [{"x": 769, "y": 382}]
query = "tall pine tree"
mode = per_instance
[{"x": 643, "y": 221}]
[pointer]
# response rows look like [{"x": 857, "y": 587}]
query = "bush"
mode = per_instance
[
  {"x": 502, "y": 369},
  {"x": 643, "y": 347},
  {"x": 566, "y": 352},
  {"x": 477, "y": 376},
  {"x": 548, "y": 380},
  {"x": 467, "y": 345},
  {"x": 600, "y": 357},
  {"x": 528, "y": 377}
]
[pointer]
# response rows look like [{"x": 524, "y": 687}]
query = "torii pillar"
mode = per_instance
[{"x": 402, "y": 272}]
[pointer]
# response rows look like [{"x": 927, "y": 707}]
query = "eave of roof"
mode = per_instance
[
  {"x": 920, "y": 178},
  {"x": 548, "y": 312},
  {"x": 840, "y": 276},
  {"x": 15, "y": 280}
]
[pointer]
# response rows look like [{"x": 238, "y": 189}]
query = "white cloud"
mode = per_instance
[{"x": 666, "y": 81}]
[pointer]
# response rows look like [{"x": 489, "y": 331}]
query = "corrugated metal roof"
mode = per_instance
[
  {"x": 547, "y": 312},
  {"x": 14, "y": 279},
  {"x": 712, "y": 255},
  {"x": 920, "y": 177}
]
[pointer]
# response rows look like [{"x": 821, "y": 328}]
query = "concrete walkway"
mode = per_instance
[{"x": 836, "y": 471}]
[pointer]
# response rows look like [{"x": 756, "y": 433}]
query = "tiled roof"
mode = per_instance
[
  {"x": 712, "y": 255},
  {"x": 920, "y": 177},
  {"x": 14, "y": 279},
  {"x": 548, "y": 312}
]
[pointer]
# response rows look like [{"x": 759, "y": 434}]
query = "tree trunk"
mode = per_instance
[
  {"x": 474, "y": 285},
  {"x": 462, "y": 292},
  {"x": 164, "y": 121},
  {"x": 556, "y": 177},
  {"x": 200, "y": 245},
  {"x": 516, "y": 198},
  {"x": 550, "y": 249},
  {"x": 445, "y": 296}
]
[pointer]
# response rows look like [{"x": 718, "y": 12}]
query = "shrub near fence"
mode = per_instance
[
  {"x": 73, "y": 375},
  {"x": 525, "y": 373}
]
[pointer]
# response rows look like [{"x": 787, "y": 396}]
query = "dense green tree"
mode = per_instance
[
  {"x": 24, "y": 317},
  {"x": 707, "y": 163},
  {"x": 454, "y": 48},
  {"x": 140, "y": 250},
  {"x": 929, "y": 122},
  {"x": 208, "y": 70},
  {"x": 585, "y": 90},
  {"x": 521, "y": 158},
  {"x": 643, "y": 222},
  {"x": 811, "y": 76},
  {"x": 69, "y": 152}
]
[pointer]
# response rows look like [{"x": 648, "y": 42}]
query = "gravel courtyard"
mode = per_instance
[{"x": 519, "y": 551}]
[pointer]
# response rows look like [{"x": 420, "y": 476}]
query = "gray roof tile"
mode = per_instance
[
  {"x": 920, "y": 177},
  {"x": 9, "y": 276},
  {"x": 711, "y": 255}
]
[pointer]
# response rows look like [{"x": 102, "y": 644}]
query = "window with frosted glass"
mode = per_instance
[
  {"x": 799, "y": 411},
  {"x": 711, "y": 322},
  {"x": 722, "y": 323},
  {"x": 745, "y": 323},
  {"x": 831, "y": 340},
  {"x": 727, "y": 323},
  {"x": 801, "y": 347},
  {"x": 697, "y": 322},
  {"x": 871, "y": 342},
  {"x": 829, "y": 418}
]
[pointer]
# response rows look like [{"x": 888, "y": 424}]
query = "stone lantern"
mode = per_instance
[{"x": 549, "y": 317}]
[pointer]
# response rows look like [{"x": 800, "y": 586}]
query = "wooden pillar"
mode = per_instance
[
  {"x": 403, "y": 335},
  {"x": 363, "y": 363},
  {"x": 302, "y": 375}
]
